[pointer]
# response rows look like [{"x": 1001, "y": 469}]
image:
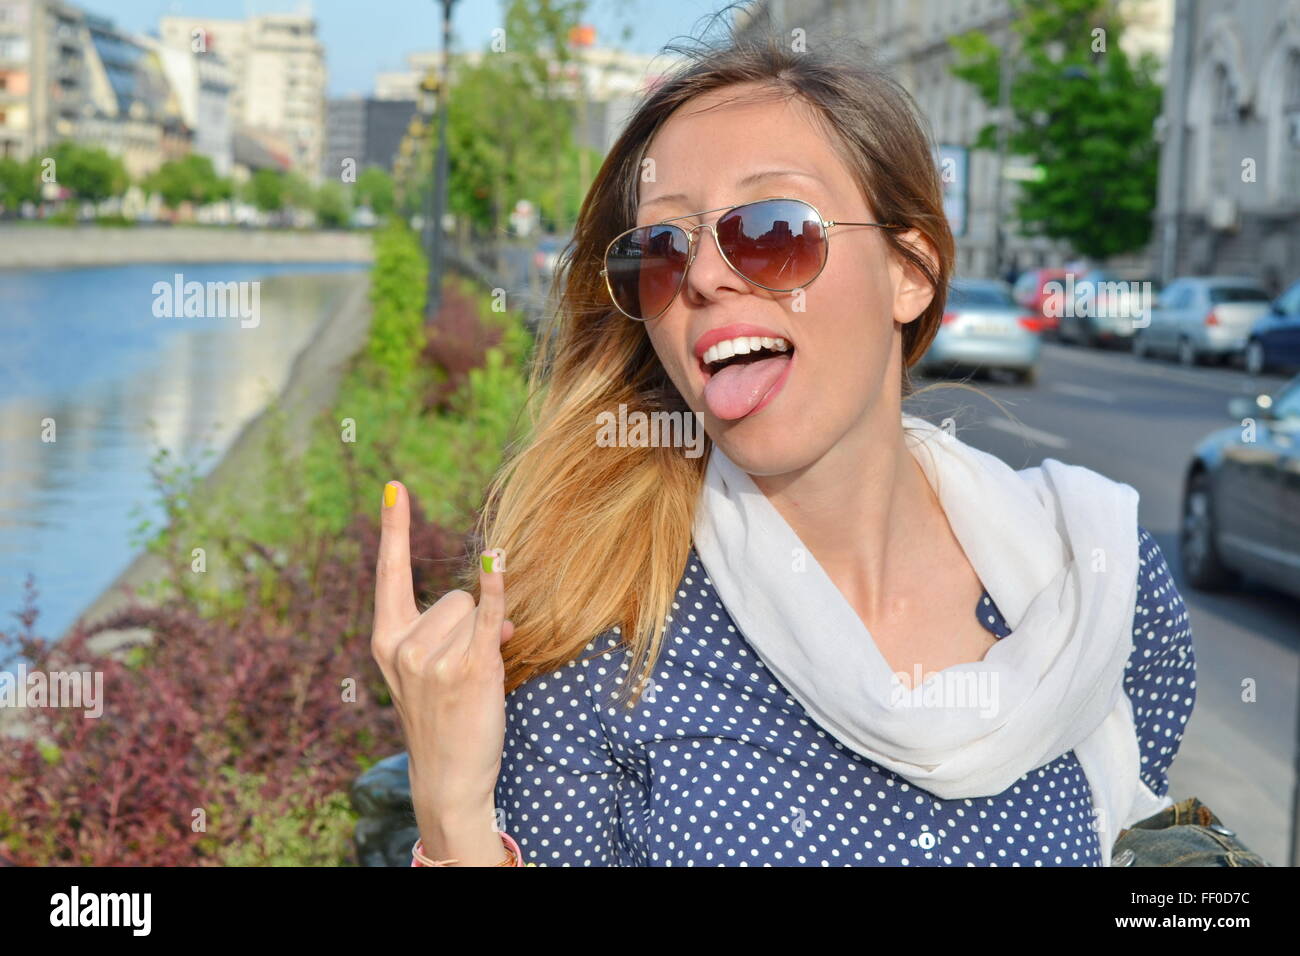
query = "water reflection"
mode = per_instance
[{"x": 83, "y": 348}]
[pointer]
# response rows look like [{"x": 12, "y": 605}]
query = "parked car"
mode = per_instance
[
  {"x": 1274, "y": 341},
  {"x": 547, "y": 254},
  {"x": 1028, "y": 293},
  {"x": 1203, "y": 317},
  {"x": 1101, "y": 309},
  {"x": 1241, "y": 496},
  {"x": 983, "y": 328}
]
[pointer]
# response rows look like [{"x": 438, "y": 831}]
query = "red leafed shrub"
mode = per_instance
[
  {"x": 208, "y": 706},
  {"x": 455, "y": 343}
]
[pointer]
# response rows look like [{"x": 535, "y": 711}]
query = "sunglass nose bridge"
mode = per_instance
[{"x": 693, "y": 243}]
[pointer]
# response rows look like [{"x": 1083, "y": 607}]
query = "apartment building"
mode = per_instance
[
  {"x": 202, "y": 84},
  {"x": 366, "y": 130},
  {"x": 277, "y": 72},
  {"x": 44, "y": 74},
  {"x": 67, "y": 74}
]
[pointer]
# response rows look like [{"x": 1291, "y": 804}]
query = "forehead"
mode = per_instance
[{"x": 737, "y": 143}]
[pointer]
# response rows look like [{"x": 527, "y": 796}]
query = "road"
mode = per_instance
[{"x": 1137, "y": 421}]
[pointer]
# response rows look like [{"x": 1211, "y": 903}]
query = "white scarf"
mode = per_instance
[{"x": 1056, "y": 549}]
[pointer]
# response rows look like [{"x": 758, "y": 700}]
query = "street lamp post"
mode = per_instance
[
  {"x": 420, "y": 127},
  {"x": 1006, "y": 71},
  {"x": 433, "y": 298}
]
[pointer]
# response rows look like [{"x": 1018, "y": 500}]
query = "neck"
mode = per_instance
[{"x": 861, "y": 509}]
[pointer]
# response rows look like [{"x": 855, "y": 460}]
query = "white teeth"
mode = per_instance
[{"x": 743, "y": 345}]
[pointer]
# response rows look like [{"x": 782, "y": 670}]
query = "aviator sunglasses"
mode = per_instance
[{"x": 776, "y": 244}]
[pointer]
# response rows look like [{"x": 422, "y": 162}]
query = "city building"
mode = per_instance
[
  {"x": 202, "y": 84},
  {"x": 66, "y": 74},
  {"x": 44, "y": 80},
  {"x": 910, "y": 38},
  {"x": 367, "y": 131},
  {"x": 132, "y": 110},
  {"x": 277, "y": 65},
  {"x": 1229, "y": 199}
]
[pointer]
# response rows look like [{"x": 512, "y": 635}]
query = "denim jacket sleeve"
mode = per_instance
[{"x": 1160, "y": 677}]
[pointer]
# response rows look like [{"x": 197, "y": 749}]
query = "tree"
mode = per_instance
[
  {"x": 333, "y": 207},
  {"x": 374, "y": 188},
  {"x": 88, "y": 172},
  {"x": 20, "y": 182},
  {"x": 1083, "y": 113},
  {"x": 189, "y": 179},
  {"x": 265, "y": 190},
  {"x": 298, "y": 192}
]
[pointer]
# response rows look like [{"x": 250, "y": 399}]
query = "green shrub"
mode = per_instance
[
  {"x": 397, "y": 295},
  {"x": 300, "y": 828}
]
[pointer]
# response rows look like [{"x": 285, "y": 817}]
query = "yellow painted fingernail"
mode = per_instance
[{"x": 390, "y": 495}]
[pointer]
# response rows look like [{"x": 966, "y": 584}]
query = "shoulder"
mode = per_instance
[
  {"x": 556, "y": 712},
  {"x": 1080, "y": 489}
]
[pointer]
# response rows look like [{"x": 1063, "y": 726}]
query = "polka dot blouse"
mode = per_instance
[{"x": 720, "y": 766}]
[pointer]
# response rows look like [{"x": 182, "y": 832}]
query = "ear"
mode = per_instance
[{"x": 912, "y": 292}]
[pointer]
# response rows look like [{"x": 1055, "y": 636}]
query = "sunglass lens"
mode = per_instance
[
  {"x": 645, "y": 268},
  {"x": 777, "y": 243}
]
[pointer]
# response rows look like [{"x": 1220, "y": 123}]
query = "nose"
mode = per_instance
[{"x": 707, "y": 272}]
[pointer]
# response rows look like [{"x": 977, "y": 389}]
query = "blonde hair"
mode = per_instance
[{"x": 598, "y": 538}]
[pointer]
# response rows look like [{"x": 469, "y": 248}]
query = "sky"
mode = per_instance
[{"x": 365, "y": 37}]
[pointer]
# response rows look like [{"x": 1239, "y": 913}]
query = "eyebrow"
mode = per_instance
[{"x": 749, "y": 180}]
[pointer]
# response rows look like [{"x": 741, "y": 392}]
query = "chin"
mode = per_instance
[{"x": 769, "y": 448}]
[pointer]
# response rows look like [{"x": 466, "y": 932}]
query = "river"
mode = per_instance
[{"x": 96, "y": 376}]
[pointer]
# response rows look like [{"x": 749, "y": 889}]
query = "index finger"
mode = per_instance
[{"x": 394, "y": 590}]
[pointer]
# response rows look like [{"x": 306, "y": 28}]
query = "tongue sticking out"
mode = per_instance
[{"x": 734, "y": 390}]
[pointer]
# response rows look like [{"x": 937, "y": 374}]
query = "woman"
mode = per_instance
[{"x": 840, "y": 637}]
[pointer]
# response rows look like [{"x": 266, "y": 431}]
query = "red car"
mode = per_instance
[{"x": 1028, "y": 293}]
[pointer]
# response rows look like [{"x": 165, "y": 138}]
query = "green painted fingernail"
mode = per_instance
[{"x": 493, "y": 561}]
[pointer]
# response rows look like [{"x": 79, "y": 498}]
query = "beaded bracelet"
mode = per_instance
[{"x": 514, "y": 857}]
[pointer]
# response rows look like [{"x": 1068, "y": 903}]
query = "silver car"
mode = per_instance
[
  {"x": 983, "y": 328},
  {"x": 1203, "y": 317}
]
